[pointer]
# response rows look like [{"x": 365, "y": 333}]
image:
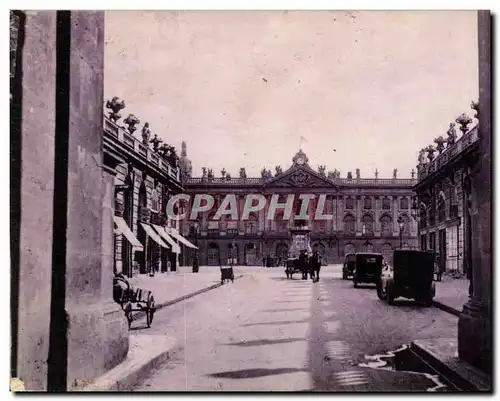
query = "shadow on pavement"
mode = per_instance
[
  {"x": 253, "y": 373},
  {"x": 257, "y": 343}
]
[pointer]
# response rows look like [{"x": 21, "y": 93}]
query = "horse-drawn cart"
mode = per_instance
[
  {"x": 133, "y": 299},
  {"x": 226, "y": 274}
]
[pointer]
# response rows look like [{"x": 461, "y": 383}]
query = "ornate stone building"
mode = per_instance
[
  {"x": 443, "y": 192},
  {"x": 369, "y": 214},
  {"x": 146, "y": 240}
]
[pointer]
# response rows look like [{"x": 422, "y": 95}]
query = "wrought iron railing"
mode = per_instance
[
  {"x": 136, "y": 146},
  {"x": 460, "y": 146}
]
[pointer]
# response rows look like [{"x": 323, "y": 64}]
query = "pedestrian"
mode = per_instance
[
  {"x": 316, "y": 265},
  {"x": 437, "y": 268},
  {"x": 196, "y": 266},
  {"x": 303, "y": 264},
  {"x": 263, "y": 261}
]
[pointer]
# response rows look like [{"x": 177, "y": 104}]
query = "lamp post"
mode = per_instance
[
  {"x": 196, "y": 262},
  {"x": 401, "y": 228},
  {"x": 233, "y": 246}
]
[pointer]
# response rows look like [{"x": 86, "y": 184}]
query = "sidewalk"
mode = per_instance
[
  {"x": 451, "y": 294},
  {"x": 172, "y": 287}
]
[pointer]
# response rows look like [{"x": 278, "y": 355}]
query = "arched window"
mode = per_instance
[
  {"x": 386, "y": 204},
  {"x": 367, "y": 222},
  {"x": 367, "y": 203},
  {"x": 349, "y": 224},
  {"x": 386, "y": 223},
  {"x": 155, "y": 201},
  {"x": 403, "y": 203}
]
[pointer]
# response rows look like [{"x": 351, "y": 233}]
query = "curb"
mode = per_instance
[
  {"x": 446, "y": 308},
  {"x": 128, "y": 379},
  {"x": 138, "y": 315},
  {"x": 446, "y": 370}
]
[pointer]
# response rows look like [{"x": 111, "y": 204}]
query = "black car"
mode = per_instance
[
  {"x": 349, "y": 265},
  {"x": 368, "y": 268},
  {"x": 410, "y": 276}
]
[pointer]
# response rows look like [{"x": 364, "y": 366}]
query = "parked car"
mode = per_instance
[
  {"x": 410, "y": 276},
  {"x": 349, "y": 264},
  {"x": 368, "y": 268}
]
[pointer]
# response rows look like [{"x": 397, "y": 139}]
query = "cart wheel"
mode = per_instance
[
  {"x": 150, "y": 310},
  {"x": 128, "y": 314},
  {"x": 381, "y": 293}
]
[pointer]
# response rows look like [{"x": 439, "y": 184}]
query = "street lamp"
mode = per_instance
[
  {"x": 401, "y": 228},
  {"x": 233, "y": 246}
]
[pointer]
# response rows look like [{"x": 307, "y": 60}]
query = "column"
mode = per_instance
[
  {"x": 33, "y": 125},
  {"x": 474, "y": 326}
]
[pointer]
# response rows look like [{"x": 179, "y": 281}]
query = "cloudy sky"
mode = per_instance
[{"x": 366, "y": 90}]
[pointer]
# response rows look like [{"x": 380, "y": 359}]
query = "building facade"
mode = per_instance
[
  {"x": 368, "y": 214},
  {"x": 146, "y": 174},
  {"x": 443, "y": 193}
]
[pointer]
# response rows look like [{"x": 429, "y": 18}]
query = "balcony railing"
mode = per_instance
[
  {"x": 460, "y": 146},
  {"x": 374, "y": 182},
  {"x": 136, "y": 146}
]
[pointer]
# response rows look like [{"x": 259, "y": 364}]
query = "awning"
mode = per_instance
[
  {"x": 149, "y": 231},
  {"x": 123, "y": 228},
  {"x": 180, "y": 238},
  {"x": 175, "y": 247}
]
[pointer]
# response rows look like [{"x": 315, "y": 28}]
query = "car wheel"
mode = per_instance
[{"x": 381, "y": 293}]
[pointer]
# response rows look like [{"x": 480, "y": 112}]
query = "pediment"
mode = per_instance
[{"x": 300, "y": 177}]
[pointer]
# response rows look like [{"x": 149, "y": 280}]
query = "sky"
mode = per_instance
[{"x": 364, "y": 89}]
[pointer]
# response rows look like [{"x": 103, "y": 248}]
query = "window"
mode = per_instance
[
  {"x": 441, "y": 209},
  {"x": 386, "y": 204},
  {"x": 349, "y": 203},
  {"x": 432, "y": 241},
  {"x": 155, "y": 203},
  {"x": 349, "y": 224},
  {"x": 320, "y": 225},
  {"x": 423, "y": 242},
  {"x": 367, "y": 224},
  {"x": 386, "y": 223},
  {"x": 406, "y": 224},
  {"x": 423, "y": 217},
  {"x": 403, "y": 203},
  {"x": 367, "y": 203}
]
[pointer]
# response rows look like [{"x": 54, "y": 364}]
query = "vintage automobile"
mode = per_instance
[
  {"x": 410, "y": 276},
  {"x": 368, "y": 268},
  {"x": 349, "y": 264}
]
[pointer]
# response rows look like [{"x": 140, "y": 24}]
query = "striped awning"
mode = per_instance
[
  {"x": 123, "y": 228},
  {"x": 175, "y": 247},
  {"x": 180, "y": 238},
  {"x": 152, "y": 234}
]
